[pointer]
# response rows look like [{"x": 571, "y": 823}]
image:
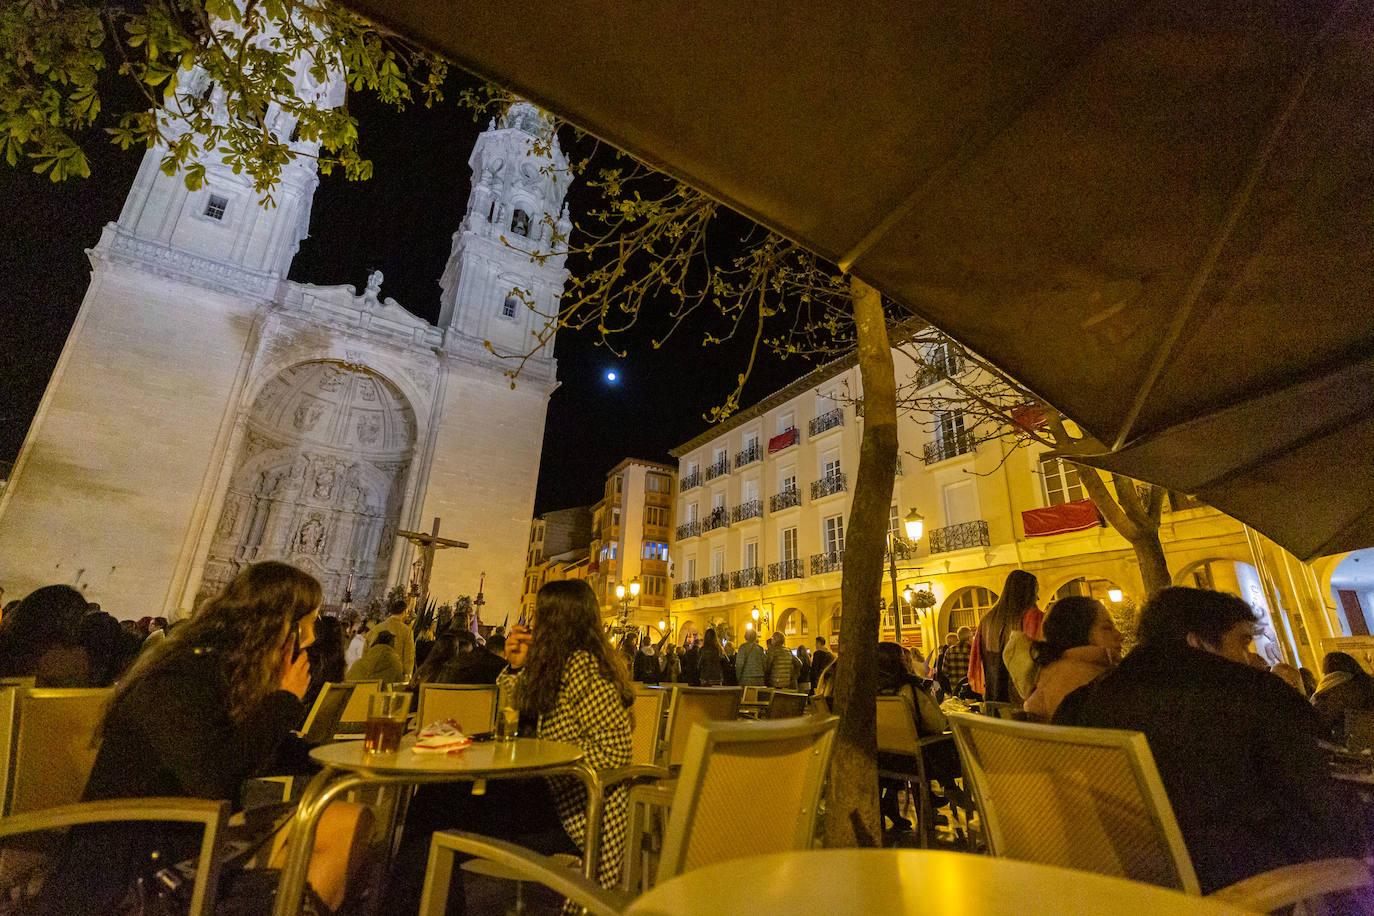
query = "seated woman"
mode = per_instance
[
  {"x": 1081, "y": 642},
  {"x": 1344, "y": 685},
  {"x": 895, "y": 678},
  {"x": 210, "y": 706},
  {"x": 570, "y": 684}
]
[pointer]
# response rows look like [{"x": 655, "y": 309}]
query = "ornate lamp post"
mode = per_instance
[
  {"x": 626, "y": 595},
  {"x": 915, "y": 525}
]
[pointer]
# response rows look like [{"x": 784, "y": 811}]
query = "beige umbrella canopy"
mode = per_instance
[{"x": 1157, "y": 216}]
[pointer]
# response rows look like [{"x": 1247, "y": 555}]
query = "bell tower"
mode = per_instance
[
  {"x": 221, "y": 235},
  {"x": 506, "y": 267}
]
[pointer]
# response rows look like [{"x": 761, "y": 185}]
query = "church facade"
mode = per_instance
[{"x": 207, "y": 413}]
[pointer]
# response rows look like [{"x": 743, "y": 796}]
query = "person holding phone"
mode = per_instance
[{"x": 208, "y": 707}]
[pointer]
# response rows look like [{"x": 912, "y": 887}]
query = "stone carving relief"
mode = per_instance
[
  {"x": 307, "y": 489},
  {"x": 306, "y": 416},
  {"x": 369, "y": 428},
  {"x": 310, "y": 538}
]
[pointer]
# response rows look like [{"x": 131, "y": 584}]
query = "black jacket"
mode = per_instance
[
  {"x": 170, "y": 735},
  {"x": 1237, "y": 751}
]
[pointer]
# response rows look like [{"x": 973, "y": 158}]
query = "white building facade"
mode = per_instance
[{"x": 207, "y": 413}]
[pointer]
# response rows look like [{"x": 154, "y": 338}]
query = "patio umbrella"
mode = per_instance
[{"x": 1157, "y": 216}]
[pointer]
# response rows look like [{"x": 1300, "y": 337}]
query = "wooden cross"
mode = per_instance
[{"x": 428, "y": 543}]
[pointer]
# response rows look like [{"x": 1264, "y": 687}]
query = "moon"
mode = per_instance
[{"x": 611, "y": 376}]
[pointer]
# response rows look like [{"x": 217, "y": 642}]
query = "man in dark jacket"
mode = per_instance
[
  {"x": 476, "y": 664},
  {"x": 820, "y": 660},
  {"x": 1236, "y": 746}
]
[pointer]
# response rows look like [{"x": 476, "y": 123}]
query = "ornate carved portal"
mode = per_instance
[{"x": 319, "y": 482}]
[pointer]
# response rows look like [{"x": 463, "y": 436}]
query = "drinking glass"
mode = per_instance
[
  {"x": 507, "y": 716},
  {"x": 386, "y": 720}
]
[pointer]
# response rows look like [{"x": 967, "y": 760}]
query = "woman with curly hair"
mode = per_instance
[
  {"x": 574, "y": 686},
  {"x": 570, "y": 684},
  {"x": 210, "y": 706}
]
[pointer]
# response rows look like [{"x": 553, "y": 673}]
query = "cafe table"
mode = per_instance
[
  {"x": 347, "y": 767},
  {"x": 861, "y": 882}
]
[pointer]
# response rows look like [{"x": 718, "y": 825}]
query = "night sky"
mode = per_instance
[{"x": 399, "y": 222}]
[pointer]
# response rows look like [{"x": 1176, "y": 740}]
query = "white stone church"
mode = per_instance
[{"x": 207, "y": 413}]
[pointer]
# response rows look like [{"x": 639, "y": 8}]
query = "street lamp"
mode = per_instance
[
  {"x": 915, "y": 525},
  {"x": 667, "y": 625},
  {"x": 1114, "y": 595},
  {"x": 625, "y": 596}
]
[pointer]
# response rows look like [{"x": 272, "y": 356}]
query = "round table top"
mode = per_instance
[
  {"x": 865, "y": 881},
  {"x": 478, "y": 760}
]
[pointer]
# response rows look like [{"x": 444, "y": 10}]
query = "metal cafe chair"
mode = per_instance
[
  {"x": 724, "y": 765},
  {"x": 1092, "y": 799}
]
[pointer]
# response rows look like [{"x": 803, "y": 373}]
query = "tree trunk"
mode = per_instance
[
  {"x": 1149, "y": 555},
  {"x": 852, "y": 817}
]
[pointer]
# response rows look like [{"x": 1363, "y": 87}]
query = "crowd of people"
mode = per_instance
[{"x": 200, "y": 706}]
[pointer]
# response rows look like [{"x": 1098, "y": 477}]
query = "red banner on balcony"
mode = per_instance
[
  {"x": 1066, "y": 517},
  {"x": 1027, "y": 417},
  {"x": 782, "y": 441}
]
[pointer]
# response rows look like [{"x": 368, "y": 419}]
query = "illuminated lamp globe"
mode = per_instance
[
  {"x": 915, "y": 524},
  {"x": 1114, "y": 595}
]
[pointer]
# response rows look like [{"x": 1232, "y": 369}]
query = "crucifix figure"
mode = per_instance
[{"x": 428, "y": 543}]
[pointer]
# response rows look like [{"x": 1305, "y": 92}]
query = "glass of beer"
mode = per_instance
[{"x": 386, "y": 720}]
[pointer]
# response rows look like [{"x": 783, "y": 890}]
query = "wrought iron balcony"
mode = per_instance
[
  {"x": 718, "y": 518},
  {"x": 752, "y": 508},
  {"x": 830, "y": 483},
  {"x": 828, "y": 420},
  {"x": 958, "y": 537},
  {"x": 940, "y": 367},
  {"x": 786, "y": 569},
  {"x": 826, "y": 562},
  {"x": 743, "y": 578},
  {"x": 719, "y": 469},
  {"x": 691, "y": 480},
  {"x": 749, "y": 455},
  {"x": 945, "y": 447},
  {"x": 689, "y": 589},
  {"x": 717, "y": 583},
  {"x": 784, "y": 499},
  {"x": 689, "y": 530}
]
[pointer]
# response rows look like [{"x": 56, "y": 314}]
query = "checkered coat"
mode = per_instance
[{"x": 589, "y": 713}]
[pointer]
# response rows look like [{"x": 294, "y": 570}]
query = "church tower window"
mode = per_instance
[
  {"x": 520, "y": 223},
  {"x": 508, "y": 307},
  {"x": 215, "y": 207}
]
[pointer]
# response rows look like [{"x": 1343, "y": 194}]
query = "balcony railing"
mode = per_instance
[
  {"x": 904, "y": 549},
  {"x": 830, "y": 483},
  {"x": 691, "y": 480},
  {"x": 826, "y": 562},
  {"x": 718, "y": 518},
  {"x": 719, "y": 469},
  {"x": 785, "y": 569},
  {"x": 939, "y": 368},
  {"x": 784, "y": 499},
  {"x": 749, "y": 455},
  {"x": 945, "y": 447},
  {"x": 744, "y": 578},
  {"x": 689, "y": 589},
  {"x": 689, "y": 530},
  {"x": 749, "y": 509},
  {"x": 717, "y": 583},
  {"x": 958, "y": 537},
  {"x": 828, "y": 420}
]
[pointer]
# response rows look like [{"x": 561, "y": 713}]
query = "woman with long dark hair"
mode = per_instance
[
  {"x": 712, "y": 660},
  {"x": 1081, "y": 642},
  {"x": 210, "y": 706},
  {"x": 326, "y": 656},
  {"x": 1014, "y": 612},
  {"x": 569, "y": 679},
  {"x": 441, "y": 663}
]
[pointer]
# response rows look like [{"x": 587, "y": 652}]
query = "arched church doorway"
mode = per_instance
[
  {"x": 319, "y": 482},
  {"x": 1352, "y": 587},
  {"x": 793, "y": 624}
]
